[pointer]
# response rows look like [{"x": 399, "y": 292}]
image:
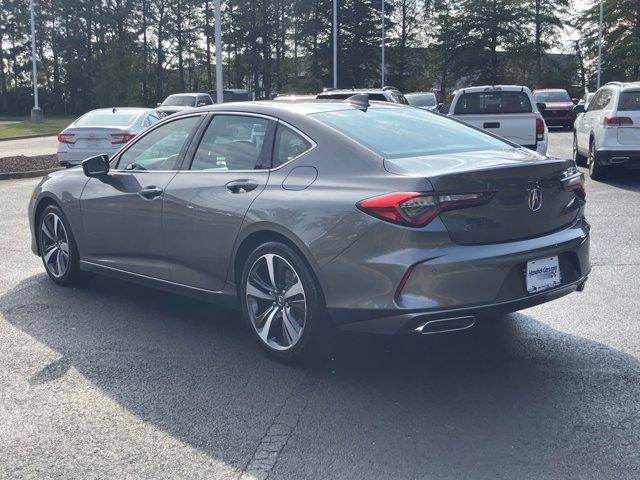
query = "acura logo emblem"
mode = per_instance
[{"x": 535, "y": 199}]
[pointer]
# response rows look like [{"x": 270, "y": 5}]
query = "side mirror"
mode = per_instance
[
  {"x": 575, "y": 100},
  {"x": 541, "y": 106},
  {"x": 159, "y": 104},
  {"x": 579, "y": 108},
  {"x": 97, "y": 166}
]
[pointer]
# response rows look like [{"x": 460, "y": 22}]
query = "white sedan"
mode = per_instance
[{"x": 100, "y": 131}]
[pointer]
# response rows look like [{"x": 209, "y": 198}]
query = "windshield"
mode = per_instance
[
  {"x": 552, "y": 96},
  {"x": 493, "y": 102},
  {"x": 407, "y": 132},
  {"x": 421, "y": 99},
  {"x": 107, "y": 118},
  {"x": 179, "y": 101}
]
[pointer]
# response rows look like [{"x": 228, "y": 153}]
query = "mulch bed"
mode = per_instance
[{"x": 21, "y": 163}]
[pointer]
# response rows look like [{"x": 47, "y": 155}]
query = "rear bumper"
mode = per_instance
[
  {"x": 559, "y": 120},
  {"x": 619, "y": 157},
  {"x": 389, "y": 292}
]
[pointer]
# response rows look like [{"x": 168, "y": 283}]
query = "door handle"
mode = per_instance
[
  {"x": 150, "y": 192},
  {"x": 241, "y": 186},
  {"x": 491, "y": 125}
]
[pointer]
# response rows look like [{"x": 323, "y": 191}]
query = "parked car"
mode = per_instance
[
  {"x": 425, "y": 100},
  {"x": 375, "y": 94},
  {"x": 505, "y": 110},
  {"x": 184, "y": 101},
  {"x": 608, "y": 132},
  {"x": 230, "y": 95},
  {"x": 558, "y": 111},
  {"x": 586, "y": 99},
  {"x": 365, "y": 216},
  {"x": 104, "y": 130}
]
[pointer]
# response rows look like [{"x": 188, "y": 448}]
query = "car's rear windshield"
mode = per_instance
[
  {"x": 407, "y": 132},
  {"x": 493, "y": 102},
  {"x": 552, "y": 96},
  {"x": 180, "y": 101},
  {"x": 421, "y": 99},
  {"x": 107, "y": 118},
  {"x": 378, "y": 97},
  {"x": 629, "y": 101}
]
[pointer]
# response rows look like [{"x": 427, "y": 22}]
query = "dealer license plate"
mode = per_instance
[{"x": 542, "y": 274}]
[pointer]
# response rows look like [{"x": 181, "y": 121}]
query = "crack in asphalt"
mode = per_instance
[{"x": 279, "y": 431}]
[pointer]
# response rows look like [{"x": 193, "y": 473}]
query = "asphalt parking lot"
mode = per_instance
[{"x": 117, "y": 381}]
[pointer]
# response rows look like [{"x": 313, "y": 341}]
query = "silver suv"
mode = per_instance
[{"x": 608, "y": 132}]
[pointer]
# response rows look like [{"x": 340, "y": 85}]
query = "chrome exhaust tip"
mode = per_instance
[{"x": 445, "y": 325}]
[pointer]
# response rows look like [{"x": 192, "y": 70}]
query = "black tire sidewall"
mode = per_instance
[
  {"x": 596, "y": 171},
  {"x": 72, "y": 273},
  {"x": 313, "y": 327}
]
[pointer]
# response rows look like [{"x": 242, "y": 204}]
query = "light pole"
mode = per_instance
[
  {"x": 36, "y": 111},
  {"x": 218, "y": 40},
  {"x": 600, "y": 45},
  {"x": 335, "y": 43},
  {"x": 382, "y": 60}
]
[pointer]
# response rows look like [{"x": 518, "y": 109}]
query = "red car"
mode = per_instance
[{"x": 559, "y": 107}]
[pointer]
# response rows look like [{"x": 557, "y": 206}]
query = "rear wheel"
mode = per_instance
[
  {"x": 58, "y": 248},
  {"x": 281, "y": 303},
  {"x": 596, "y": 171},
  {"x": 580, "y": 160}
]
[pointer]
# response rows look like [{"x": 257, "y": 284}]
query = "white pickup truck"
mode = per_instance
[{"x": 508, "y": 111}]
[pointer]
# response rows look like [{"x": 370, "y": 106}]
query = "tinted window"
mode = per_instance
[
  {"x": 406, "y": 132},
  {"x": 207, "y": 100},
  {"x": 552, "y": 96},
  {"x": 233, "y": 142},
  {"x": 159, "y": 149},
  {"x": 629, "y": 101},
  {"x": 421, "y": 99},
  {"x": 378, "y": 97},
  {"x": 180, "y": 101},
  {"x": 107, "y": 118},
  {"x": 493, "y": 102},
  {"x": 288, "y": 146}
]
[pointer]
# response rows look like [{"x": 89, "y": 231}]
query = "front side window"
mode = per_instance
[
  {"x": 159, "y": 149},
  {"x": 493, "y": 102},
  {"x": 408, "y": 132},
  {"x": 233, "y": 142},
  {"x": 288, "y": 145}
]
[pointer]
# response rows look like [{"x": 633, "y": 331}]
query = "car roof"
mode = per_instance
[
  {"x": 549, "y": 90},
  {"x": 624, "y": 85},
  {"x": 190, "y": 94},
  {"x": 356, "y": 90},
  {"x": 420, "y": 93},
  {"x": 128, "y": 109},
  {"x": 487, "y": 88}
]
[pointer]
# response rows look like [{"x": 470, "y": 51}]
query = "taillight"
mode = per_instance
[
  {"x": 540, "y": 127},
  {"x": 573, "y": 180},
  {"x": 123, "y": 137},
  {"x": 416, "y": 209},
  {"x": 610, "y": 121},
  {"x": 66, "y": 138}
]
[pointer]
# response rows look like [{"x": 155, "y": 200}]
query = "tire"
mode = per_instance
[
  {"x": 596, "y": 171},
  {"x": 58, "y": 248},
  {"x": 580, "y": 160},
  {"x": 296, "y": 324}
]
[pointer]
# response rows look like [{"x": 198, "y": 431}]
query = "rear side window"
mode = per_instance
[
  {"x": 408, "y": 132},
  {"x": 288, "y": 145},
  {"x": 107, "y": 118},
  {"x": 493, "y": 102},
  {"x": 233, "y": 142},
  {"x": 629, "y": 101}
]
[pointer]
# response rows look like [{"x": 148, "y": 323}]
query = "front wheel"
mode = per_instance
[
  {"x": 281, "y": 303},
  {"x": 58, "y": 248}
]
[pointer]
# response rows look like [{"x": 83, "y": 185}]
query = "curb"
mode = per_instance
[
  {"x": 29, "y": 174},
  {"x": 23, "y": 137}
]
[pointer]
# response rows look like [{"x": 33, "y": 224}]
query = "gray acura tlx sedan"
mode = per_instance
[{"x": 365, "y": 216}]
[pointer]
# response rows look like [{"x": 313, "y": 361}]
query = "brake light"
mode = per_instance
[
  {"x": 124, "y": 137},
  {"x": 416, "y": 209},
  {"x": 66, "y": 138},
  {"x": 573, "y": 180},
  {"x": 610, "y": 121},
  {"x": 540, "y": 125}
]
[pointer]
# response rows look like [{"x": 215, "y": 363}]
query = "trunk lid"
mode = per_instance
[
  {"x": 93, "y": 138},
  {"x": 513, "y": 175}
]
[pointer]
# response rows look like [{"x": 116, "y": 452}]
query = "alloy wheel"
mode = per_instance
[
  {"x": 55, "y": 245},
  {"x": 276, "y": 301}
]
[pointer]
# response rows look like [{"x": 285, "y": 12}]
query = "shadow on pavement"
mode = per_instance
[{"x": 512, "y": 398}]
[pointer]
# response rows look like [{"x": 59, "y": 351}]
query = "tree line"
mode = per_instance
[{"x": 134, "y": 52}]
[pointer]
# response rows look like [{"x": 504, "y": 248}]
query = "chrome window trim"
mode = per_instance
[{"x": 267, "y": 117}]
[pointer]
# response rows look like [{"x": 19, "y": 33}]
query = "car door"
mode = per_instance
[
  {"x": 587, "y": 120},
  {"x": 205, "y": 203},
  {"x": 122, "y": 212}
]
